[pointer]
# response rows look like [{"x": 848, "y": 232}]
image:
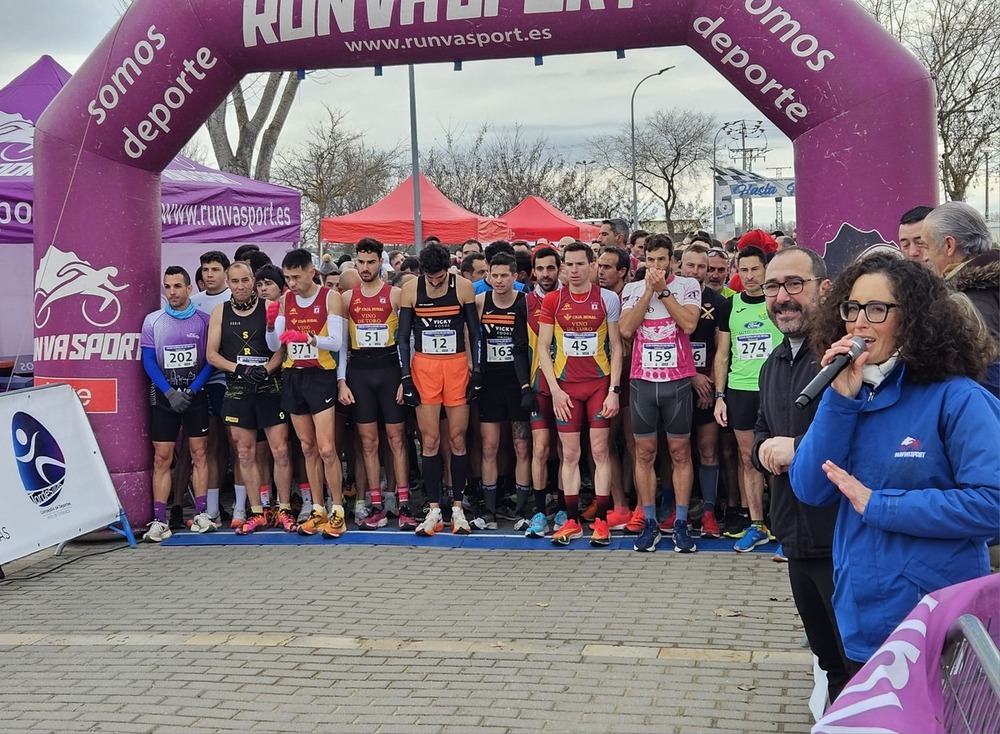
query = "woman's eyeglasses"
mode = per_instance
[{"x": 875, "y": 311}]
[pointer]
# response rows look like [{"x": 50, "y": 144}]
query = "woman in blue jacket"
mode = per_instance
[{"x": 905, "y": 441}]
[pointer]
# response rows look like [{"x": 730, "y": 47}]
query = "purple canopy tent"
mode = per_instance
[{"x": 201, "y": 208}]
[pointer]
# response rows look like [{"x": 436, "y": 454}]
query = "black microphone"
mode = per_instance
[{"x": 827, "y": 375}]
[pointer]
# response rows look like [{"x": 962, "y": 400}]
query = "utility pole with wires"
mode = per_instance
[
  {"x": 744, "y": 133},
  {"x": 779, "y": 215}
]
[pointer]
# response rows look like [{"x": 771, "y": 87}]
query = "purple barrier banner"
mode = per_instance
[
  {"x": 899, "y": 689},
  {"x": 806, "y": 64}
]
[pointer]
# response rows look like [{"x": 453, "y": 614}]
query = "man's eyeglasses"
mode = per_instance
[
  {"x": 875, "y": 311},
  {"x": 792, "y": 286}
]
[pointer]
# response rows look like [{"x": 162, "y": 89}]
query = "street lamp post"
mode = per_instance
[
  {"x": 715, "y": 200},
  {"x": 635, "y": 188}
]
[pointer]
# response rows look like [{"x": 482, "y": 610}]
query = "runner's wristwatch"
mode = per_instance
[
  {"x": 720, "y": 395},
  {"x": 616, "y": 389}
]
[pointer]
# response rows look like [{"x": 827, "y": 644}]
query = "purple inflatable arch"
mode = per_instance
[{"x": 859, "y": 108}]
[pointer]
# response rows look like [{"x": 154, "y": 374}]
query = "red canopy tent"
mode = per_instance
[
  {"x": 534, "y": 218},
  {"x": 391, "y": 219}
]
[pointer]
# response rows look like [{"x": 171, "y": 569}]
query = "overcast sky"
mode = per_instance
[{"x": 567, "y": 99}]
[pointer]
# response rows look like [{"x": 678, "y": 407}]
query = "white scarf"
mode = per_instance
[{"x": 874, "y": 374}]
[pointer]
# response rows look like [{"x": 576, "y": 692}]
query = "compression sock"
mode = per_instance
[
  {"x": 649, "y": 512},
  {"x": 375, "y": 495},
  {"x": 212, "y": 508},
  {"x": 403, "y": 494},
  {"x": 432, "y": 470},
  {"x": 160, "y": 512},
  {"x": 572, "y": 506},
  {"x": 307, "y": 495},
  {"x": 523, "y": 493},
  {"x": 708, "y": 478},
  {"x": 459, "y": 474},
  {"x": 265, "y": 495},
  {"x": 490, "y": 498},
  {"x": 200, "y": 503},
  {"x": 539, "y": 500},
  {"x": 682, "y": 513}
]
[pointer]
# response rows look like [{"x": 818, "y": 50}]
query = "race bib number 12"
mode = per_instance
[{"x": 439, "y": 341}]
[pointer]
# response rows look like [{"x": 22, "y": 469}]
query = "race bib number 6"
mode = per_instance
[
  {"x": 580, "y": 344},
  {"x": 699, "y": 350},
  {"x": 753, "y": 346},
  {"x": 439, "y": 341},
  {"x": 180, "y": 356}
]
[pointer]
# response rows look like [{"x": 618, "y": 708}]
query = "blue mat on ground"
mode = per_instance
[{"x": 485, "y": 540}]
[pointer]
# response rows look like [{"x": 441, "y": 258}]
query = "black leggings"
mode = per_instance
[{"x": 811, "y": 580}]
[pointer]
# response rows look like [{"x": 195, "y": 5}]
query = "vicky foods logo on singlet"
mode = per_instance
[{"x": 40, "y": 461}]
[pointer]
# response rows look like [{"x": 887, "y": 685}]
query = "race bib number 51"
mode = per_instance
[{"x": 372, "y": 336}]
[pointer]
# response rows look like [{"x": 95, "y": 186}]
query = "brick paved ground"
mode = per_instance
[{"x": 386, "y": 639}]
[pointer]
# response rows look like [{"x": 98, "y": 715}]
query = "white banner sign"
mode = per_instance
[{"x": 54, "y": 485}]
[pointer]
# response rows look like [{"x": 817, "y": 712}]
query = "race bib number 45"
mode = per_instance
[
  {"x": 580, "y": 344},
  {"x": 180, "y": 356},
  {"x": 439, "y": 341},
  {"x": 753, "y": 346}
]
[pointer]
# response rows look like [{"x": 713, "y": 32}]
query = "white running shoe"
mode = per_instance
[
  {"x": 304, "y": 513},
  {"x": 459, "y": 525},
  {"x": 157, "y": 532},
  {"x": 360, "y": 510},
  {"x": 203, "y": 523},
  {"x": 431, "y": 524},
  {"x": 390, "y": 503}
]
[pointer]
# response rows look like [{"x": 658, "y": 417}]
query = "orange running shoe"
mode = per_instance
[
  {"x": 667, "y": 526},
  {"x": 318, "y": 520},
  {"x": 618, "y": 519},
  {"x": 254, "y": 522},
  {"x": 601, "y": 535},
  {"x": 285, "y": 520},
  {"x": 636, "y": 522},
  {"x": 570, "y": 531},
  {"x": 591, "y": 512},
  {"x": 336, "y": 526}
]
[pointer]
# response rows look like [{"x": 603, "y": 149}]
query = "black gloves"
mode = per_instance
[
  {"x": 475, "y": 385},
  {"x": 252, "y": 375},
  {"x": 179, "y": 401},
  {"x": 410, "y": 395},
  {"x": 529, "y": 402}
]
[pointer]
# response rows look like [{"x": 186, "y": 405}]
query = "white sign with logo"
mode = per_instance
[{"x": 54, "y": 485}]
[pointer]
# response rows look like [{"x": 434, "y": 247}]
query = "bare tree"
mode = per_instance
[
  {"x": 257, "y": 135},
  {"x": 959, "y": 42},
  {"x": 672, "y": 148},
  {"x": 195, "y": 151},
  {"x": 496, "y": 170},
  {"x": 336, "y": 171}
]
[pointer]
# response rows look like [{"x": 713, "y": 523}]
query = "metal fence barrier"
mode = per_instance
[{"x": 970, "y": 677}]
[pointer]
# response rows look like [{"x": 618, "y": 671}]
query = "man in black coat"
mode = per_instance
[{"x": 794, "y": 286}]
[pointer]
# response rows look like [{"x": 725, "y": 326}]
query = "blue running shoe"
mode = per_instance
[
  {"x": 779, "y": 555},
  {"x": 649, "y": 536},
  {"x": 682, "y": 541},
  {"x": 755, "y": 535},
  {"x": 559, "y": 520},
  {"x": 538, "y": 527}
]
